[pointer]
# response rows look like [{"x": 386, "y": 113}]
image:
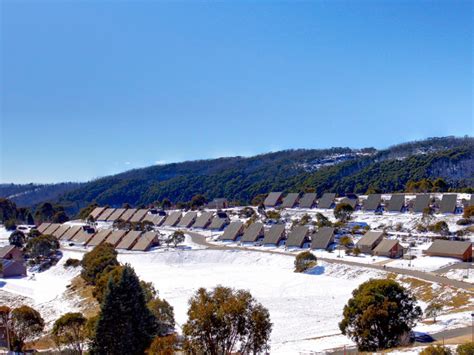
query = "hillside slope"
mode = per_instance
[{"x": 338, "y": 169}]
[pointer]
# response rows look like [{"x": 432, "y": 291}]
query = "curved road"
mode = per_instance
[{"x": 200, "y": 239}]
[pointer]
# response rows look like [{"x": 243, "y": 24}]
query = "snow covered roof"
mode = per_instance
[
  {"x": 203, "y": 220},
  {"x": 308, "y": 200},
  {"x": 326, "y": 200},
  {"x": 297, "y": 236},
  {"x": 372, "y": 202},
  {"x": 272, "y": 199},
  {"x": 290, "y": 200},
  {"x": 233, "y": 230},
  {"x": 322, "y": 238},
  {"x": 448, "y": 203},
  {"x": 275, "y": 234},
  {"x": 253, "y": 232}
]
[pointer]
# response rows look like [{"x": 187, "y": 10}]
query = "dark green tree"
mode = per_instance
[
  {"x": 125, "y": 324},
  {"x": 69, "y": 331},
  {"x": 99, "y": 260},
  {"x": 198, "y": 201},
  {"x": 60, "y": 217},
  {"x": 343, "y": 212},
  {"x": 42, "y": 246},
  {"x": 379, "y": 315},
  {"x": 17, "y": 238}
]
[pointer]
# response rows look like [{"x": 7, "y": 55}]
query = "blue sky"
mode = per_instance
[{"x": 91, "y": 88}]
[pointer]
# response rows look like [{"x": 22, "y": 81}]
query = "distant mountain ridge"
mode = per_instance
[{"x": 339, "y": 170}]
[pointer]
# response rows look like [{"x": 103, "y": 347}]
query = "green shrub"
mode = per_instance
[
  {"x": 304, "y": 261},
  {"x": 72, "y": 263}
]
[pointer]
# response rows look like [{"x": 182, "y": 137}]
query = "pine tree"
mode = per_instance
[{"x": 125, "y": 324}]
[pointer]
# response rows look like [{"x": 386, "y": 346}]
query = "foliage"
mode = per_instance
[
  {"x": 304, "y": 261},
  {"x": 198, "y": 201},
  {"x": 17, "y": 238},
  {"x": 177, "y": 238},
  {"x": 225, "y": 320},
  {"x": 247, "y": 212},
  {"x": 86, "y": 211},
  {"x": 125, "y": 324},
  {"x": 43, "y": 246},
  {"x": 465, "y": 349},
  {"x": 60, "y": 217},
  {"x": 164, "y": 315},
  {"x": 10, "y": 225},
  {"x": 98, "y": 260},
  {"x": 440, "y": 227},
  {"x": 468, "y": 212},
  {"x": 343, "y": 212},
  {"x": 345, "y": 240},
  {"x": 379, "y": 314},
  {"x": 69, "y": 331},
  {"x": 433, "y": 309},
  {"x": 163, "y": 345},
  {"x": 436, "y": 350},
  {"x": 305, "y": 219},
  {"x": 71, "y": 262},
  {"x": 356, "y": 251},
  {"x": 322, "y": 220},
  {"x": 275, "y": 215},
  {"x": 25, "y": 324}
]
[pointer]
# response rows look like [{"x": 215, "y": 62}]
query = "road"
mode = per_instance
[{"x": 200, "y": 239}]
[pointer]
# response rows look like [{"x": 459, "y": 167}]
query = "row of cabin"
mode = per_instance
[
  {"x": 276, "y": 235},
  {"x": 373, "y": 202},
  {"x": 84, "y": 235},
  {"x": 12, "y": 262},
  {"x": 191, "y": 219}
]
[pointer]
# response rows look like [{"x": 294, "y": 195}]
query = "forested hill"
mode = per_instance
[{"x": 240, "y": 179}]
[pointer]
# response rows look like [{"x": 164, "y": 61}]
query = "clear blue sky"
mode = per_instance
[{"x": 90, "y": 88}]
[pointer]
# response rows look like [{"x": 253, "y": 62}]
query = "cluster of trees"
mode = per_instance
[
  {"x": 244, "y": 179},
  {"x": 427, "y": 185},
  {"x": 462, "y": 349},
  {"x": 48, "y": 212}
]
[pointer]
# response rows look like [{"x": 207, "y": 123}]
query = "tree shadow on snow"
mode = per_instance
[{"x": 317, "y": 270}]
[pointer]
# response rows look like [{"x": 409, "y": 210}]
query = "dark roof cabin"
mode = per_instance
[
  {"x": 129, "y": 240},
  {"x": 389, "y": 247},
  {"x": 297, "y": 237},
  {"x": 115, "y": 237},
  {"x": 451, "y": 249},
  {"x": 173, "y": 219},
  {"x": 233, "y": 231},
  {"x": 138, "y": 216},
  {"x": 274, "y": 235},
  {"x": 327, "y": 200},
  {"x": 448, "y": 203},
  {"x": 218, "y": 203},
  {"x": 253, "y": 232},
  {"x": 42, "y": 227},
  {"x": 372, "y": 203},
  {"x": 203, "y": 220},
  {"x": 99, "y": 237},
  {"x": 323, "y": 238},
  {"x": 106, "y": 214},
  {"x": 71, "y": 232},
  {"x": 188, "y": 220},
  {"x": 58, "y": 233},
  {"x": 290, "y": 200},
  {"x": 218, "y": 223},
  {"x": 308, "y": 200},
  {"x": 127, "y": 215},
  {"x": 273, "y": 199},
  {"x": 421, "y": 202},
  {"x": 116, "y": 215},
  {"x": 10, "y": 252},
  {"x": 12, "y": 268},
  {"x": 145, "y": 241},
  {"x": 349, "y": 201},
  {"x": 396, "y": 203},
  {"x": 96, "y": 212},
  {"x": 369, "y": 241}
]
